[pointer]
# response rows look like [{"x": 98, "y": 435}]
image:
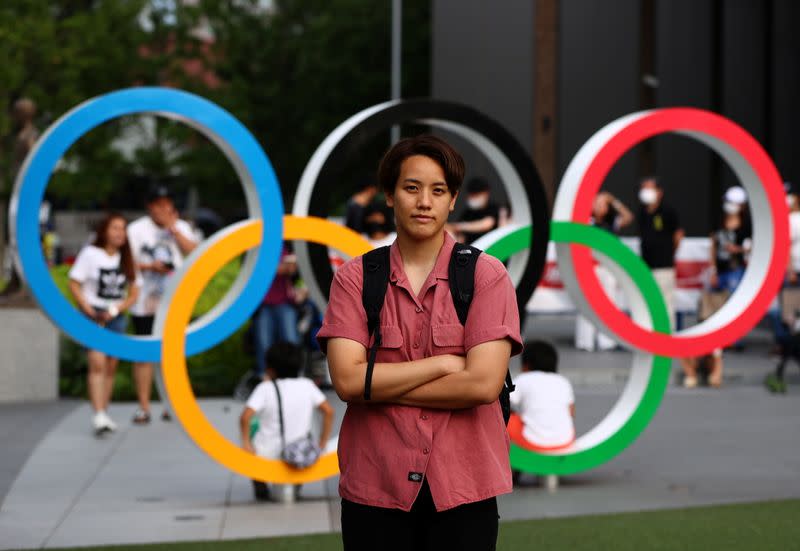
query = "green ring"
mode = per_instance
[{"x": 610, "y": 246}]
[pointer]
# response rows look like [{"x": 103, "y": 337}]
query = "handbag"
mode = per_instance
[{"x": 300, "y": 453}]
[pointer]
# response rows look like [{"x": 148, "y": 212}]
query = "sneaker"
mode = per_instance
[
  {"x": 100, "y": 423},
  {"x": 689, "y": 382},
  {"x": 261, "y": 491},
  {"x": 775, "y": 384},
  {"x": 112, "y": 426},
  {"x": 141, "y": 417}
]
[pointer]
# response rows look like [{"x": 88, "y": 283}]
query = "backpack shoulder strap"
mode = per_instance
[
  {"x": 461, "y": 274},
  {"x": 373, "y": 293}
]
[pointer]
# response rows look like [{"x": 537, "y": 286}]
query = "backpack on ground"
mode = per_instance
[{"x": 461, "y": 274}]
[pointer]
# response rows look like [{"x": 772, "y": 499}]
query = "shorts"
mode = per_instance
[
  {"x": 142, "y": 325},
  {"x": 515, "y": 427},
  {"x": 117, "y": 325}
]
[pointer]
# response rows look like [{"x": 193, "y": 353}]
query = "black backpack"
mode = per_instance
[{"x": 461, "y": 273}]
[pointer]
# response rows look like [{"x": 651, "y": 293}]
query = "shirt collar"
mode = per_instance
[{"x": 440, "y": 269}]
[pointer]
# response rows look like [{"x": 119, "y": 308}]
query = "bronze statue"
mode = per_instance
[{"x": 24, "y": 112}]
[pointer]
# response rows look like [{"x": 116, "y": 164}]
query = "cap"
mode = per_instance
[
  {"x": 158, "y": 191},
  {"x": 736, "y": 194}
]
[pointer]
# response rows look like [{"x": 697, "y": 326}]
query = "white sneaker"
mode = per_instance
[
  {"x": 112, "y": 426},
  {"x": 100, "y": 423}
]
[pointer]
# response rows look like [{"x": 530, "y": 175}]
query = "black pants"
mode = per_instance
[{"x": 465, "y": 528}]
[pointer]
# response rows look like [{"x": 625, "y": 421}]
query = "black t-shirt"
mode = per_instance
[
  {"x": 354, "y": 216},
  {"x": 656, "y": 230},
  {"x": 470, "y": 215},
  {"x": 727, "y": 261}
]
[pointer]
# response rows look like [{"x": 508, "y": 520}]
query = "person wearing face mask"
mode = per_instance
[
  {"x": 378, "y": 225},
  {"x": 660, "y": 234},
  {"x": 481, "y": 215},
  {"x": 357, "y": 204}
]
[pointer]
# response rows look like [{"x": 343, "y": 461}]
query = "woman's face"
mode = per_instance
[
  {"x": 421, "y": 199},
  {"x": 116, "y": 233}
]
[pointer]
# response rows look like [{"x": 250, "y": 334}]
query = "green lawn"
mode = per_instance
[{"x": 762, "y": 526}]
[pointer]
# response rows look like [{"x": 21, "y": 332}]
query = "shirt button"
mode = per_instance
[
  {"x": 426, "y": 451},
  {"x": 424, "y": 417},
  {"x": 416, "y": 345},
  {"x": 419, "y": 310}
]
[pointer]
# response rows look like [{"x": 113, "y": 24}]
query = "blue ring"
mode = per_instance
[{"x": 207, "y": 117}]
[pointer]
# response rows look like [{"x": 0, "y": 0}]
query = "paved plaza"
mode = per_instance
[{"x": 61, "y": 487}]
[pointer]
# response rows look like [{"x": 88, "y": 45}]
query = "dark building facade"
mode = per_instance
[{"x": 737, "y": 58}]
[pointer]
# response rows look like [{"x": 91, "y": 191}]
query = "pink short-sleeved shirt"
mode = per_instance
[{"x": 386, "y": 449}]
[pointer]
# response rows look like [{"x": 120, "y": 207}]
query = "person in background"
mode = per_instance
[
  {"x": 729, "y": 246},
  {"x": 736, "y": 199},
  {"x": 543, "y": 402},
  {"x": 276, "y": 318},
  {"x": 104, "y": 283},
  {"x": 660, "y": 233},
  {"x": 378, "y": 225},
  {"x": 610, "y": 214},
  {"x": 789, "y": 296},
  {"x": 481, "y": 215},
  {"x": 299, "y": 397},
  {"x": 158, "y": 241},
  {"x": 356, "y": 205}
]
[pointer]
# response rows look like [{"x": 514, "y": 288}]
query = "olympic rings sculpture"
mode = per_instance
[{"x": 262, "y": 234}]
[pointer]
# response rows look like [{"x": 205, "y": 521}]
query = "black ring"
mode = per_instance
[{"x": 413, "y": 110}]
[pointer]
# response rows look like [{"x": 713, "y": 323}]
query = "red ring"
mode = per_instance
[{"x": 649, "y": 125}]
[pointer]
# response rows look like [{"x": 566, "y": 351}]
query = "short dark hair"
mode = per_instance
[
  {"x": 477, "y": 185},
  {"x": 540, "y": 356},
  {"x": 650, "y": 178},
  {"x": 285, "y": 359},
  {"x": 440, "y": 151}
]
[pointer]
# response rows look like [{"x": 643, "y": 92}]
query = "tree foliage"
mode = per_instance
[{"x": 291, "y": 73}]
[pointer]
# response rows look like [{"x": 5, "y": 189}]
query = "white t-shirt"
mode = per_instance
[
  {"x": 794, "y": 236},
  {"x": 543, "y": 402},
  {"x": 299, "y": 396},
  {"x": 382, "y": 242},
  {"x": 103, "y": 283},
  {"x": 150, "y": 242}
]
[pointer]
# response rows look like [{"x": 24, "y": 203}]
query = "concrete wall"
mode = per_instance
[
  {"x": 482, "y": 56},
  {"x": 599, "y": 80},
  {"x": 741, "y": 59},
  {"x": 29, "y": 358}
]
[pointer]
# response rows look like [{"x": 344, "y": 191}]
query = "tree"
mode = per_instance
[{"x": 290, "y": 73}]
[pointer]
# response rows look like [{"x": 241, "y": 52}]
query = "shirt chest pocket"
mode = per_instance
[
  {"x": 448, "y": 339},
  {"x": 391, "y": 348}
]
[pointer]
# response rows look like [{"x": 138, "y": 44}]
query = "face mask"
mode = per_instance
[
  {"x": 477, "y": 203},
  {"x": 731, "y": 208},
  {"x": 648, "y": 196},
  {"x": 371, "y": 228}
]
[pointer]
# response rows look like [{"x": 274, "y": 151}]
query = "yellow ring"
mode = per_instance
[{"x": 173, "y": 363}]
